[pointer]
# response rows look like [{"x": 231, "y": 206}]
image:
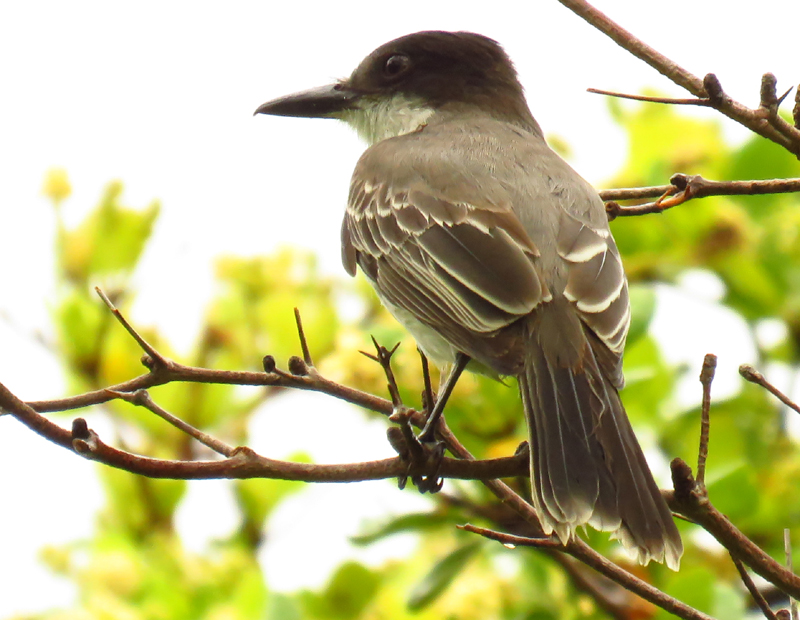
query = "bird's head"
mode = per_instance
[{"x": 400, "y": 85}]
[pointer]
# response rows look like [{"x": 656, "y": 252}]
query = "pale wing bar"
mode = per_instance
[
  {"x": 596, "y": 285},
  {"x": 478, "y": 263}
]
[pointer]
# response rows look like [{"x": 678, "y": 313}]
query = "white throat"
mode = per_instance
[{"x": 379, "y": 119}]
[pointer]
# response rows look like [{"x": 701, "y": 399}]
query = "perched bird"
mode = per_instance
[{"x": 492, "y": 251}]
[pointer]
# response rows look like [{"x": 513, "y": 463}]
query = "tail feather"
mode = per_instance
[
  {"x": 586, "y": 464},
  {"x": 567, "y": 478}
]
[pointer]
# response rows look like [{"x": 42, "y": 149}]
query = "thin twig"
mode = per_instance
[
  {"x": 702, "y": 187},
  {"x": 510, "y": 540},
  {"x": 751, "y": 587},
  {"x": 146, "y": 346},
  {"x": 787, "y": 549},
  {"x": 707, "y": 88},
  {"x": 636, "y": 46},
  {"x": 770, "y": 104},
  {"x": 142, "y": 398},
  {"x": 685, "y": 187},
  {"x": 303, "y": 341},
  {"x": 384, "y": 358},
  {"x": 576, "y": 547},
  {"x": 649, "y": 99},
  {"x": 244, "y": 463},
  {"x": 690, "y": 502},
  {"x": 401, "y": 437},
  {"x": 753, "y": 376},
  {"x": 428, "y": 398},
  {"x": 706, "y": 378}
]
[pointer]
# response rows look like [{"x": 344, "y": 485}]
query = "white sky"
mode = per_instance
[{"x": 161, "y": 96}]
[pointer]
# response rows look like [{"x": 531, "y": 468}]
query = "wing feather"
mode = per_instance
[{"x": 463, "y": 270}]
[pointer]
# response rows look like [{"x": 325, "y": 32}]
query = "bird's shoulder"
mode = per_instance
[{"x": 483, "y": 161}]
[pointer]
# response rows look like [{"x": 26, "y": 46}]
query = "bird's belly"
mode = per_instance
[{"x": 436, "y": 349}]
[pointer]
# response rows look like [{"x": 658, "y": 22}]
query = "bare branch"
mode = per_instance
[
  {"x": 754, "y": 592},
  {"x": 155, "y": 356},
  {"x": 510, "y": 540},
  {"x": 243, "y": 462},
  {"x": 690, "y": 502},
  {"x": 669, "y": 100},
  {"x": 708, "y": 88},
  {"x": 428, "y": 399},
  {"x": 141, "y": 398},
  {"x": 303, "y": 341},
  {"x": 685, "y": 188},
  {"x": 706, "y": 377},
  {"x": 637, "y": 47},
  {"x": 753, "y": 376},
  {"x": 576, "y": 547},
  {"x": 787, "y": 550},
  {"x": 796, "y": 109}
]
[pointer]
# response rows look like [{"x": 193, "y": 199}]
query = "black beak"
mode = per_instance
[{"x": 320, "y": 102}]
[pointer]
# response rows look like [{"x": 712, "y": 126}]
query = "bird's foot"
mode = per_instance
[{"x": 423, "y": 457}]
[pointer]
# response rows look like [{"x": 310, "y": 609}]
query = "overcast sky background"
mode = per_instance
[{"x": 160, "y": 95}]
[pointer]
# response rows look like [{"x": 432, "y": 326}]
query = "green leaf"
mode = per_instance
[
  {"x": 734, "y": 492},
  {"x": 430, "y": 587},
  {"x": 283, "y": 607},
  {"x": 694, "y": 586},
  {"x": 643, "y": 306},
  {"x": 347, "y": 594},
  {"x": 109, "y": 241},
  {"x": 759, "y": 158},
  {"x": 80, "y": 322},
  {"x": 416, "y": 522}
]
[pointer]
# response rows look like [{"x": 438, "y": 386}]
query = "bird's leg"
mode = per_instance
[{"x": 428, "y": 433}]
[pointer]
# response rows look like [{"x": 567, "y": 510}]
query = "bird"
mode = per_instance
[{"x": 497, "y": 256}]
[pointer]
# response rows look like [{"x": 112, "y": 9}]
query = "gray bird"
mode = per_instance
[{"x": 492, "y": 251}]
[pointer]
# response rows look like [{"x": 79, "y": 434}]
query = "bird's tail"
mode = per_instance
[{"x": 586, "y": 464}]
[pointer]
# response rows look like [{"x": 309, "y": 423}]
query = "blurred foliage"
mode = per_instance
[{"x": 136, "y": 567}]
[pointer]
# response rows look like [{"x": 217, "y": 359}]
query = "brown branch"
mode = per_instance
[
  {"x": 787, "y": 550},
  {"x": 303, "y": 342},
  {"x": 156, "y": 357},
  {"x": 576, "y": 547},
  {"x": 689, "y": 501},
  {"x": 706, "y": 378},
  {"x": 637, "y": 47},
  {"x": 242, "y": 462},
  {"x": 753, "y": 376},
  {"x": 753, "y": 590},
  {"x": 604, "y": 591},
  {"x": 668, "y": 100},
  {"x": 796, "y": 109},
  {"x": 685, "y": 187},
  {"x": 141, "y": 398},
  {"x": 428, "y": 399},
  {"x": 383, "y": 357},
  {"x": 708, "y": 88},
  {"x": 245, "y": 463},
  {"x": 510, "y": 540}
]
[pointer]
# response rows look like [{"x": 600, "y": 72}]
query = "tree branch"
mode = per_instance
[
  {"x": 753, "y": 376},
  {"x": 576, "y": 547},
  {"x": 753, "y": 590},
  {"x": 689, "y": 501},
  {"x": 706, "y": 378},
  {"x": 760, "y": 121},
  {"x": 684, "y": 188}
]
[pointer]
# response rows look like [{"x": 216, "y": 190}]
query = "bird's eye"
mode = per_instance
[{"x": 395, "y": 65}]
